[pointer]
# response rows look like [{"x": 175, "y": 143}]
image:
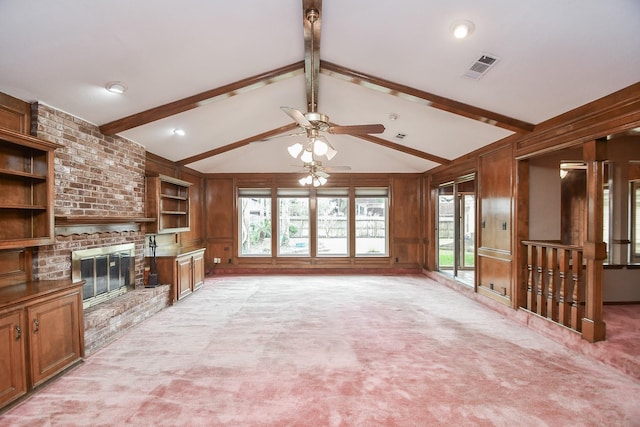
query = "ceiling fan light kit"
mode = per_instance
[{"x": 315, "y": 145}]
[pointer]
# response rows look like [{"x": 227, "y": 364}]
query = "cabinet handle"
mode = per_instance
[
  {"x": 18, "y": 332},
  {"x": 36, "y": 326}
]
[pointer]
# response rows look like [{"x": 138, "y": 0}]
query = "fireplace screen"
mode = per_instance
[{"x": 107, "y": 271}]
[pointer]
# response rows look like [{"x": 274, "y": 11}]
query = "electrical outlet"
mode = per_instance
[{"x": 216, "y": 260}]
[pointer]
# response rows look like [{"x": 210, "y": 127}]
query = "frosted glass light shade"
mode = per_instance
[
  {"x": 331, "y": 152},
  {"x": 320, "y": 147},
  {"x": 307, "y": 156},
  {"x": 295, "y": 149}
]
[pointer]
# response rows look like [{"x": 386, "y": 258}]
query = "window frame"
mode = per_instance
[
  {"x": 293, "y": 193},
  {"x": 254, "y": 193},
  {"x": 371, "y": 193},
  {"x": 333, "y": 193}
]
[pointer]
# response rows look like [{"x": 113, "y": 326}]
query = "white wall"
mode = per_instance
[
  {"x": 621, "y": 285},
  {"x": 544, "y": 199}
]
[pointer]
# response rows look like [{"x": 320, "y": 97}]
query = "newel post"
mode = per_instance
[{"x": 595, "y": 251}]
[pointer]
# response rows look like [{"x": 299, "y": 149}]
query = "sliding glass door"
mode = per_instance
[{"x": 456, "y": 229}]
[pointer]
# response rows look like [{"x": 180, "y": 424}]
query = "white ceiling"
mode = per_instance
[{"x": 555, "y": 56}]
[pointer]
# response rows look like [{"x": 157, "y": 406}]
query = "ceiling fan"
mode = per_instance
[
  {"x": 317, "y": 173},
  {"x": 313, "y": 122}
]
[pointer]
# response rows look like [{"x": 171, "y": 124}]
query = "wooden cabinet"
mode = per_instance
[
  {"x": 185, "y": 271},
  {"x": 13, "y": 379},
  {"x": 167, "y": 200},
  {"x": 41, "y": 334},
  {"x": 26, "y": 190},
  {"x": 54, "y": 336},
  {"x": 197, "y": 262},
  {"x": 184, "y": 277}
]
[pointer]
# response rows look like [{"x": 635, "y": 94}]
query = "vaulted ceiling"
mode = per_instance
[{"x": 221, "y": 70}]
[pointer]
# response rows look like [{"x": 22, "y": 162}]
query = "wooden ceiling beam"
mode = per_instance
[
  {"x": 238, "y": 144},
  {"x": 312, "y": 23},
  {"x": 427, "y": 98},
  {"x": 404, "y": 149},
  {"x": 201, "y": 99}
]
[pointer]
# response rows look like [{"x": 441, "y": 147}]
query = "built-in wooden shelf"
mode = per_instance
[
  {"x": 26, "y": 190},
  {"x": 9, "y": 172},
  {"x": 168, "y": 201}
]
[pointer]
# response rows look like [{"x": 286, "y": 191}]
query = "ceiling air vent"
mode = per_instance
[
  {"x": 481, "y": 65},
  {"x": 401, "y": 135}
]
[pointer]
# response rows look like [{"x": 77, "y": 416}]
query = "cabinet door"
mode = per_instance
[
  {"x": 13, "y": 380},
  {"x": 198, "y": 271},
  {"x": 54, "y": 333},
  {"x": 184, "y": 278}
]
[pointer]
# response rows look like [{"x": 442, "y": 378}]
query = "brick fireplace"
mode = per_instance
[{"x": 98, "y": 203}]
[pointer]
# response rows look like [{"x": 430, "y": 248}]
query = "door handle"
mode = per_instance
[
  {"x": 36, "y": 326},
  {"x": 18, "y": 332}
]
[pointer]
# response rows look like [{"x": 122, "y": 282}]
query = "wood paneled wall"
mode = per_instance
[
  {"x": 15, "y": 114},
  {"x": 407, "y": 220},
  {"x": 503, "y": 182},
  {"x": 406, "y": 223},
  {"x": 495, "y": 254}
]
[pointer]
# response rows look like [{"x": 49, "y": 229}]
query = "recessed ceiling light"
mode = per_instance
[
  {"x": 179, "y": 132},
  {"x": 116, "y": 87},
  {"x": 462, "y": 28},
  {"x": 393, "y": 117}
]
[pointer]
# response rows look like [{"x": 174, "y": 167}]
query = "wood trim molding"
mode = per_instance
[
  {"x": 432, "y": 100},
  {"x": 200, "y": 99},
  {"x": 612, "y": 114}
]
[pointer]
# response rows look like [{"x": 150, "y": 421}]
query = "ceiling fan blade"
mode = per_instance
[
  {"x": 298, "y": 116},
  {"x": 281, "y": 136},
  {"x": 322, "y": 174},
  {"x": 357, "y": 129},
  {"x": 337, "y": 168}
]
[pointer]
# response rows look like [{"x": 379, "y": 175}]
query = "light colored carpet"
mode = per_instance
[{"x": 333, "y": 351}]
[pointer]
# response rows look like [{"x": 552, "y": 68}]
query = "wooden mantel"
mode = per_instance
[
  {"x": 92, "y": 219},
  {"x": 89, "y": 224}
]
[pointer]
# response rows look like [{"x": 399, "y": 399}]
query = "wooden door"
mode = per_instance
[
  {"x": 198, "y": 270},
  {"x": 13, "y": 380},
  {"x": 184, "y": 279},
  {"x": 54, "y": 334}
]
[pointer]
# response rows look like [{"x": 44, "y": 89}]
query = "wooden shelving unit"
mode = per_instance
[
  {"x": 26, "y": 190},
  {"x": 168, "y": 202}
]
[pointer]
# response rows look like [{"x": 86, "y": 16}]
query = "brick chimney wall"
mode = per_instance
[{"x": 95, "y": 175}]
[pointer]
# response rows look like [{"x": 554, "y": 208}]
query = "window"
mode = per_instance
[
  {"x": 342, "y": 222},
  {"x": 332, "y": 214},
  {"x": 293, "y": 222},
  {"x": 254, "y": 222},
  {"x": 371, "y": 221},
  {"x": 446, "y": 223}
]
